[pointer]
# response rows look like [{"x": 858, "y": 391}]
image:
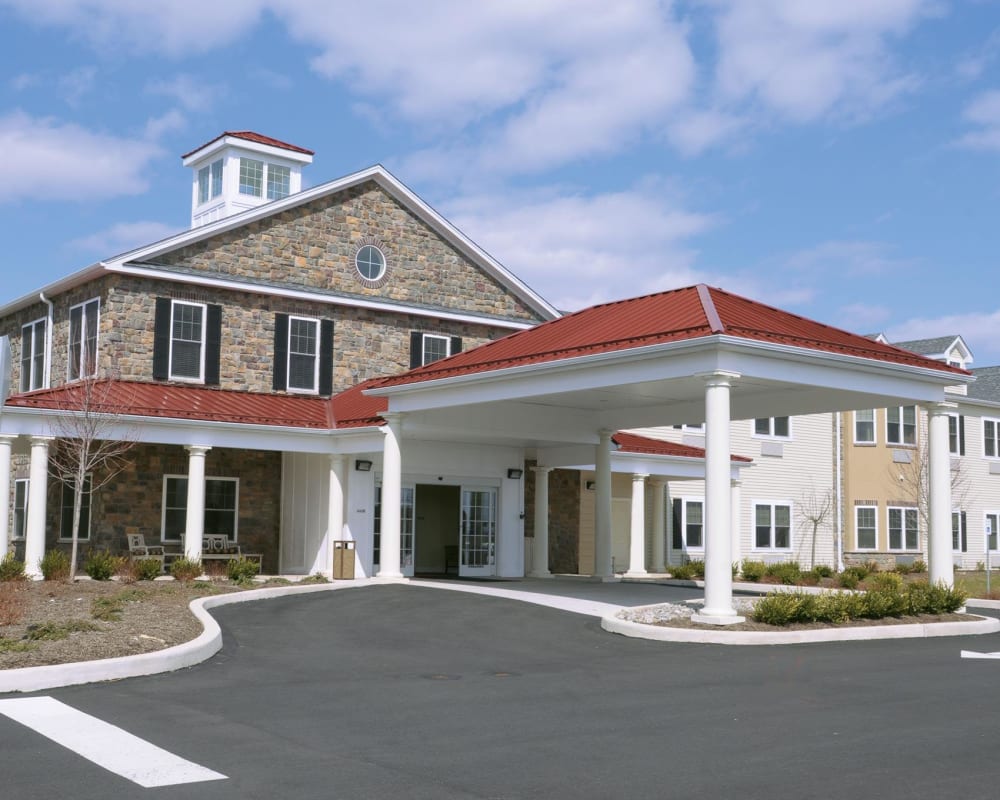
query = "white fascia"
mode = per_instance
[
  {"x": 669, "y": 467},
  {"x": 314, "y": 297}
]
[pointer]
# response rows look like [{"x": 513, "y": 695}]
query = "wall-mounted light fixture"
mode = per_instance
[
  {"x": 363, "y": 465},
  {"x": 514, "y": 473},
  {"x": 591, "y": 485}
]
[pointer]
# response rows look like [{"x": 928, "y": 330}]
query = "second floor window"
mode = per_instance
[
  {"x": 426, "y": 348},
  {"x": 959, "y": 532},
  {"x": 303, "y": 354},
  {"x": 777, "y": 427},
  {"x": 864, "y": 426},
  {"x": 83, "y": 321},
  {"x": 991, "y": 438},
  {"x": 33, "y": 355},
  {"x": 956, "y": 434},
  {"x": 901, "y": 425},
  {"x": 187, "y": 341}
]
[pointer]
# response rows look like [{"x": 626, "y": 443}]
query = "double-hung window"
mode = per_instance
[
  {"x": 959, "y": 532},
  {"x": 776, "y": 427},
  {"x": 33, "y": 355},
  {"x": 688, "y": 524},
  {"x": 263, "y": 179},
  {"x": 221, "y": 505},
  {"x": 772, "y": 526},
  {"x": 210, "y": 181},
  {"x": 83, "y": 322},
  {"x": 303, "y": 354},
  {"x": 992, "y": 528},
  {"x": 864, "y": 426},
  {"x": 904, "y": 533},
  {"x": 991, "y": 438},
  {"x": 278, "y": 182},
  {"x": 901, "y": 425},
  {"x": 866, "y": 527},
  {"x": 66, "y": 511},
  {"x": 426, "y": 348},
  {"x": 187, "y": 341},
  {"x": 956, "y": 434},
  {"x": 20, "y": 508}
]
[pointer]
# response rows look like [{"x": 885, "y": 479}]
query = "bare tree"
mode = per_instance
[
  {"x": 913, "y": 480},
  {"x": 92, "y": 440},
  {"x": 814, "y": 509}
]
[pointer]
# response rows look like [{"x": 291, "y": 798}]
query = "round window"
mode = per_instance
[{"x": 370, "y": 262}]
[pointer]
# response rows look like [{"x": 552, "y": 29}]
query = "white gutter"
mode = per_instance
[
  {"x": 46, "y": 378},
  {"x": 840, "y": 498}
]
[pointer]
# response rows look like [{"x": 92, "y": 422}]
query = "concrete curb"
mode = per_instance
[
  {"x": 187, "y": 654},
  {"x": 661, "y": 633}
]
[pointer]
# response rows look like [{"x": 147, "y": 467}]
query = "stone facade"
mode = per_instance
[{"x": 564, "y": 517}]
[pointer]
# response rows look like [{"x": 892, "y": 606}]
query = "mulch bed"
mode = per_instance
[{"x": 750, "y": 625}]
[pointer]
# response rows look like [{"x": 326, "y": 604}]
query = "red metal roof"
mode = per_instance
[
  {"x": 178, "y": 401},
  {"x": 678, "y": 315},
  {"x": 634, "y": 443},
  {"x": 354, "y": 409},
  {"x": 250, "y": 136}
]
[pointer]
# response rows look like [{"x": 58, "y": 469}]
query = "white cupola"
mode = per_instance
[{"x": 240, "y": 170}]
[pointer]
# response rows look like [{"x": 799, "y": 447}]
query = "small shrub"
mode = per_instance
[
  {"x": 12, "y": 604},
  {"x": 784, "y": 608},
  {"x": 683, "y": 572},
  {"x": 15, "y": 646},
  {"x": 753, "y": 571},
  {"x": 184, "y": 569},
  {"x": 147, "y": 569},
  {"x": 923, "y": 598},
  {"x": 879, "y": 603},
  {"x": 101, "y": 564},
  {"x": 697, "y": 568},
  {"x": 788, "y": 572},
  {"x": 55, "y": 565},
  {"x": 278, "y": 582},
  {"x": 822, "y": 571},
  {"x": 918, "y": 566},
  {"x": 848, "y": 580},
  {"x": 885, "y": 582},
  {"x": 242, "y": 570},
  {"x": 11, "y": 569},
  {"x": 316, "y": 577},
  {"x": 106, "y": 609},
  {"x": 54, "y": 631},
  {"x": 128, "y": 571},
  {"x": 872, "y": 567}
]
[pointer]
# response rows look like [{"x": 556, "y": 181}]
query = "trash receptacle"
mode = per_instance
[{"x": 343, "y": 561}]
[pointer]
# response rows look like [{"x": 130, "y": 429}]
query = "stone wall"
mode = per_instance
[{"x": 564, "y": 517}]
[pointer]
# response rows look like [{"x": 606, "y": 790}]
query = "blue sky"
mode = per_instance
[{"x": 838, "y": 158}]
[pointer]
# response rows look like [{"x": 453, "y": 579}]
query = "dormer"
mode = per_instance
[
  {"x": 951, "y": 349},
  {"x": 240, "y": 170}
]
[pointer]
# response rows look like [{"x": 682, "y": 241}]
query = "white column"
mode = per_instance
[
  {"x": 735, "y": 498},
  {"x": 6, "y": 507},
  {"x": 392, "y": 494},
  {"x": 194, "y": 520},
  {"x": 659, "y": 531},
  {"x": 718, "y": 609},
  {"x": 38, "y": 490},
  {"x": 335, "y": 506},
  {"x": 602, "y": 500},
  {"x": 540, "y": 545},
  {"x": 637, "y": 528},
  {"x": 940, "y": 562}
]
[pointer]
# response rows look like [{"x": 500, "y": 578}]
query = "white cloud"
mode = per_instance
[
  {"x": 576, "y": 250},
  {"x": 980, "y": 329},
  {"x": 77, "y": 83},
  {"x": 48, "y": 160},
  {"x": 121, "y": 238},
  {"x": 806, "y": 60},
  {"x": 836, "y": 257},
  {"x": 984, "y": 114},
  {"x": 172, "y": 120},
  {"x": 190, "y": 92},
  {"x": 693, "y": 131}
]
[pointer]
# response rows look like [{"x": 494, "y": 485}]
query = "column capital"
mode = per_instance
[
  {"x": 658, "y": 480},
  {"x": 941, "y": 407},
  {"x": 392, "y": 417},
  {"x": 719, "y": 377},
  {"x": 197, "y": 449},
  {"x": 606, "y": 433},
  {"x": 639, "y": 477},
  {"x": 7, "y": 437},
  {"x": 538, "y": 469},
  {"x": 40, "y": 440}
]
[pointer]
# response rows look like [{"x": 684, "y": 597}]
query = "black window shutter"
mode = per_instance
[
  {"x": 456, "y": 345},
  {"x": 280, "y": 370},
  {"x": 416, "y": 349},
  {"x": 161, "y": 339},
  {"x": 965, "y": 538},
  {"x": 213, "y": 344},
  {"x": 326, "y": 357},
  {"x": 961, "y": 434},
  {"x": 677, "y": 539}
]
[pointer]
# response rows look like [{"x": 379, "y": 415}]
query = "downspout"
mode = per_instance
[
  {"x": 840, "y": 504},
  {"x": 48, "y": 340}
]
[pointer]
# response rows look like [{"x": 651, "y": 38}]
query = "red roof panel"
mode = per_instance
[
  {"x": 634, "y": 443},
  {"x": 250, "y": 136}
]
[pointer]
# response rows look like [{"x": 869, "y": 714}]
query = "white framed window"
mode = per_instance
[
  {"x": 210, "y": 181},
  {"x": 688, "y": 524},
  {"x": 699, "y": 428},
  {"x": 864, "y": 426},
  {"x": 251, "y": 177},
  {"x": 33, "y": 355},
  {"x": 221, "y": 507},
  {"x": 84, "y": 319},
  {"x": 956, "y": 434},
  {"x": 904, "y": 529},
  {"x": 66, "y": 512},
  {"x": 303, "y": 354},
  {"x": 263, "y": 179},
  {"x": 773, "y": 427},
  {"x": 991, "y": 529},
  {"x": 370, "y": 262},
  {"x": 959, "y": 532},
  {"x": 866, "y": 527},
  {"x": 772, "y": 526},
  {"x": 278, "y": 182},
  {"x": 991, "y": 438},
  {"x": 187, "y": 341},
  {"x": 901, "y": 425},
  {"x": 20, "y": 508},
  {"x": 434, "y": 348}
]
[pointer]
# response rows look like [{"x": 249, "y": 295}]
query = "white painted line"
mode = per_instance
[
  {"x": 106, "y": 745},
  {"x": 974, "y": 654}
]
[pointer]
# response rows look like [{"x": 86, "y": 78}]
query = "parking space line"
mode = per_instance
[{"x": 106, "y": 745}]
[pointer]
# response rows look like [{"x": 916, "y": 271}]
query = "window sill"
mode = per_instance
[
  {"x": 179, "y": 379},
  {"x": 865, "y": 444}
]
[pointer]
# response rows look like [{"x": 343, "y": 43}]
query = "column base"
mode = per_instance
[
  {"x": 638, "y": 574},
  {"x": 607, "y": 578},
  {"x": 545, "y": 574},
  {"x": 718, "y": 619},
  {"x": 391, "y": 576}
]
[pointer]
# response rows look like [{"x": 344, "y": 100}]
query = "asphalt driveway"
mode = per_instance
[{"x": 407, "y": 692}]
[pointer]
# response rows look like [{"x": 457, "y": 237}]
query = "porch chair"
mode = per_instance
[{"x": 139, "y": 550}]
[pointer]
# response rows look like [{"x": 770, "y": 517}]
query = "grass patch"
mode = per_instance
[
  {"x": 316, "y": 577},
  {"x": 973, "y": 583},
  {"x": 54, "y": 631},
  {"x": 16, "y": 645}
]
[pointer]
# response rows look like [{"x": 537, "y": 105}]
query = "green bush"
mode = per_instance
[
  {"x": 880, "y": 603},
  {"x": 11, "y": 569},
  {"x": 885, "y": 582},
  {"x": 848, "y": 580},
  {"x": 55, "y": 565},
  {"x": 697, "y": 568},
  {"x": 184, "y": 569},
  {"x": 54, "y": 631},
  {"x": 788, "y": 572},
  {"x": 784, "y": 608},
  {"x": 242, "y": 570},
  {"x": 924, "y": 598},
  {"x": 918, "y": 566},
  {"x": 822, "y": 571},
  {"x": 101, "y": 565},
  {"x": 316, "y": 577},
  {"x": 753, "y": 571},
  {"x": 147, "y": 569},
  {"x": 683, "y": 572}
]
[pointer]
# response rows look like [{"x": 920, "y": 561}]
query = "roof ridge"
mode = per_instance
[{"x": 708, "y": 306}]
